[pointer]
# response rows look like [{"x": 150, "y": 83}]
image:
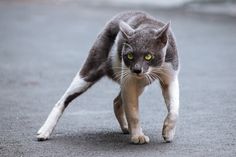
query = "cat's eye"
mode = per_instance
[
  {"x": 130, "y": 56},
  {"x": 148, "y": 57}
]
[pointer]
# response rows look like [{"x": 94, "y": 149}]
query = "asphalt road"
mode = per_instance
[{"x": 43, "y": 45}]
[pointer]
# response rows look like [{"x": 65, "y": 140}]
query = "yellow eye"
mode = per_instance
[
  {"x": 130, "y": 56},
  {"x": 148, "y": 57}
]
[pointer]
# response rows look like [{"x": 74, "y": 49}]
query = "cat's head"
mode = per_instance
[{"x": 143, "y": 48}]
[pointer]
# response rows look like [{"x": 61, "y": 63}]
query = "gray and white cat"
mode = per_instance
[{"x": 144, "y": 50}]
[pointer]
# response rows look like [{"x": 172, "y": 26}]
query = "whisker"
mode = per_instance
[
  {"x": 146, "y": 76},
  {"x": 152, "y": 77},
  {"x": 159, "y": 78},
  {"x": 161, "y": 71}
]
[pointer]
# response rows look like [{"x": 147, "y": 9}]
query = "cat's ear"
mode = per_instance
[
  {"x": 126, "y": 30},
  {"x": 162, "y": 33}
]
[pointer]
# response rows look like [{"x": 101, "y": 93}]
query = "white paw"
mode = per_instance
[
  {"x": 168, "y": 133},
  {"x": 44, "y": 132},
  {"x": 43, "y": 136},
  {"x": 40, "y": 131},
  {"x": 140, "y": 139}
]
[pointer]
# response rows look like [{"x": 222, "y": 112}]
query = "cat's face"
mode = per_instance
[{"x": 143, "y": 48}]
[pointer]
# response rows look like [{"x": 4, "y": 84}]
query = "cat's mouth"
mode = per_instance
[{"x": 138, "y": 76}]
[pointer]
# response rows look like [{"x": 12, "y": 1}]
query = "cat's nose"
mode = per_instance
[{"x": 137, "y": 71}]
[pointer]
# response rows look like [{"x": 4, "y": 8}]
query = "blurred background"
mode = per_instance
[{"x": 43, "y": 43}]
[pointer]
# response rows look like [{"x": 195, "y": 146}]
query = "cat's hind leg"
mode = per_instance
[
  {"x": 120, "y": 114},
  {"x": 76, "y": 88},
  {"x": 82, "y": 81},
  {"x": 170, "y": 93},
  {"x": 93, "y": 69}
]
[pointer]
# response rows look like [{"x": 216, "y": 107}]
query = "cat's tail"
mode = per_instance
[{"x": 94, "y": 67}]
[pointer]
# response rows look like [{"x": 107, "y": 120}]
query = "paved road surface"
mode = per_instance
[{"x": 43, "y": 45}]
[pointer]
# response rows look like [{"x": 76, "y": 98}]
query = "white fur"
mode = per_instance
[
  {"x": 170, "y": 91},
  {"x": 131, "y": 88},
  {"x": 78, "y": 85},
  {"x": 171, "y": 96},
  {"x": 116, "y": 64}
]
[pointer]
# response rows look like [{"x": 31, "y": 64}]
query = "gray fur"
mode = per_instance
[
  {"x": 147, "y": 27},
  {"x": 144, "y": 51}
]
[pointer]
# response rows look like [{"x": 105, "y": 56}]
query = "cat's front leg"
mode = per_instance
[
  {"x": 130, "y": 93},
  {"x": 170, "y": 93}
]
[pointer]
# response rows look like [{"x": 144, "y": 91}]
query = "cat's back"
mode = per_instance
[{"x": 137, "y": 19}]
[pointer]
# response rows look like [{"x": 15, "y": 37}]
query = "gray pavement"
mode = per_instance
[{"x": 42, "y": 46}]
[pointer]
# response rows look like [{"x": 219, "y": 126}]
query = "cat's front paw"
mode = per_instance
[
  {"x": 168, "y": 133},
  {"x": 140, "y": 139},
  {"x": 168, "y": 130}
]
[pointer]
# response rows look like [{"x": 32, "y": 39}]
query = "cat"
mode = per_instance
[{"x": 134, "y": 49}]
